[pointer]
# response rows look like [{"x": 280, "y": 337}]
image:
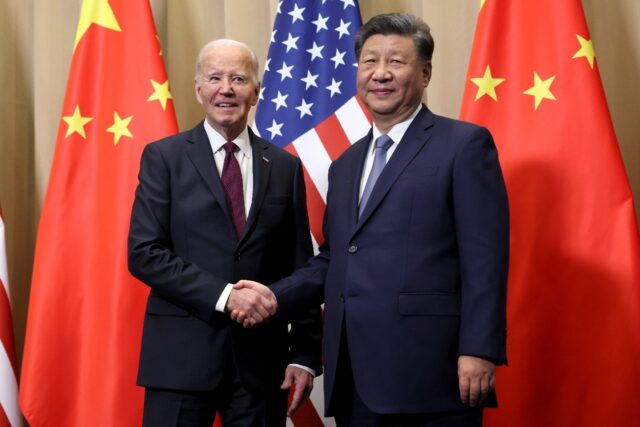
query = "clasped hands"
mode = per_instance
[{"x": 251, "y": 303}]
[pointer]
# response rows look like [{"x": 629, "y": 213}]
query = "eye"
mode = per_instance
[
  {"x": 213, "y": 78},
  {"x": 239, "y": 79}
]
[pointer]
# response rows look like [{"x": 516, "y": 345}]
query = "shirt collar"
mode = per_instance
[
  {"x": 399, "y": 129},
  {"x": 217, "y": 141}
]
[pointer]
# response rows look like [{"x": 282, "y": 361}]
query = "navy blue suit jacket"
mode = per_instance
[
  {"x": 420, "y": 278},
  {"x": 183, "y": 245}
]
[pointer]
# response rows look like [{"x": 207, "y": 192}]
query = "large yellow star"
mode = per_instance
[
  {"x": 482, "y": 2},
  {"x": 97, "y": 12},
  {"x": 540, "y": 89},
  {"x": 160, "y": 93},
  {"x": 119, "y": 128},
  {"x": 486, "y": 85},
  {"x": 586, "y": 50},
  {"x": 76, "y": 123}
]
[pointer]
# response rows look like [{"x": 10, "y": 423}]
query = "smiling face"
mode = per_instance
[
  {"x": 227, "y": 86},
  {"x": 391, "y": 78}
]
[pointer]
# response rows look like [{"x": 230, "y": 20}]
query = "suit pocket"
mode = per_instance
[
  {"x": 429, "y": 304},
  {"x": 160, "y": 307}
]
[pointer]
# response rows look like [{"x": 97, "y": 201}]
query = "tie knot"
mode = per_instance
[
  {"x": 384, "y": 142},
  {"x": 230, "y": 147}
]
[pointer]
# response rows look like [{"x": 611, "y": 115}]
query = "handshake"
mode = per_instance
[{"x": 251, "y": 303}]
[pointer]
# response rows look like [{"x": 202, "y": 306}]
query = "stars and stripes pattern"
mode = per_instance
[
  {"x": 307, "y": 101},
  {"x": 9, "y": 411}
]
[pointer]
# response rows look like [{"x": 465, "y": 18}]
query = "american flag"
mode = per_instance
[
  {"x": 9, "y": 412},
  {"x": 307, "y": 101}
]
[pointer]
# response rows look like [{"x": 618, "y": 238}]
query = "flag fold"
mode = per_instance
[
  {"x": 574, "y": 281},
  {"x": 85, "y": 310}
]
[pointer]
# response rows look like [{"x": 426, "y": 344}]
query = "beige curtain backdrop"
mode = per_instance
[{"x": 35, "y": 53}]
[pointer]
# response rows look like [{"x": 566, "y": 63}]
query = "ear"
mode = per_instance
[
  {"x": 198, "y": 89},
  {"x": 426, "y": 73},
  {"x": 256, "y": 95}
]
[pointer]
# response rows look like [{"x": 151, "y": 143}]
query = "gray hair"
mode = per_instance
[
  {"x": 401, "y": 24},
  {"x": 227, "y": 42}
]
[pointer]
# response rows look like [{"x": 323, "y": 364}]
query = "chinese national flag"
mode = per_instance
[
  {"x": 574, "y": 281},
  {"x": 85, "y": 311}
]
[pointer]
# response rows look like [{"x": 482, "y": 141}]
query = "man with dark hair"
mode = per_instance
[
  {"x": 214, "y": 204},
  {"x": 413, "y": 271}
]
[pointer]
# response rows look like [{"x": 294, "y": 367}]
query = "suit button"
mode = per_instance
[
  {"x": 353, "y": 248},
  {"x": 341, "y": 297},
  {"x": 238, "y": 257}
]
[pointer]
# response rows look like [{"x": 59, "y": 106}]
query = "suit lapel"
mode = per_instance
[
  {"x": 355, "y": 176},
  {"x": 199, "y": 151},
  {"x": 412, "y": 142},
  {"x": 261, "y": 171}
]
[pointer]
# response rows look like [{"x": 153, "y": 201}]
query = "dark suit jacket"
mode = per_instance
[
  {"x": 182, "y": 244},
  {"x": 421, "y": 277}
]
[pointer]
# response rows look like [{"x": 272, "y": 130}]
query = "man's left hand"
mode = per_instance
[
  {"x": 302, "y": 382},
  {"x": 477, "y": 377}
]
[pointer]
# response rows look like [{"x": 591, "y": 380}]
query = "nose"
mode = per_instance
[
  {"x": 225, "y": 86},
  {"x": 381, "y": 72}
]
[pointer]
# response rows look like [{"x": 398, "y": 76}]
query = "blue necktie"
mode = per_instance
[{"x": 383, "y": 142}]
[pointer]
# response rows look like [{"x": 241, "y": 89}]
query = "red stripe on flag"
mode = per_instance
[
  {"x": 6, "y": 330},
  {"x": 4, "y": 420},
  {"x": 364, "y": 109},
  {"x": 315, "y": 203},
  {"x": 307, "y": 416},
  {"x": 332, "y": 135}
]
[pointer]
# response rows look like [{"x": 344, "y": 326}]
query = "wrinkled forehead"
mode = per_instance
[
  {"x": 227, "y": 59},
  {"x": 389, "y": 44}
]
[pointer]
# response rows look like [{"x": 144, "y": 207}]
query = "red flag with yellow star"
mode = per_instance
[
  {"x": 85, "y": 311},
  {"x": 574, "y": 281}
]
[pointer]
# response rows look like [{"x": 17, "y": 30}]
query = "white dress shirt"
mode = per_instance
[
  {"x": 245, "y": 160},
  {"x": 395, "y": 133}
]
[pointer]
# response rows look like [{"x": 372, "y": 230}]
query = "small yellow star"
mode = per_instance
[
  {"x": 97, "y": 12},
  {"x": 76, "y": 123},
  {"x": 540, "y": 89},
  {"x": 160, "y": 93},
  {"x": 119, "y": 128},
  {"x": 586, "y": 50},
  {"x": 482, "y": 2},
  {"x": 486, "y": 85}
]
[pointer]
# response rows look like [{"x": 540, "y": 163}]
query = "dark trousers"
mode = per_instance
[
  {"x": 350, "y": 411},
  {"x": 236, "y": 406}
]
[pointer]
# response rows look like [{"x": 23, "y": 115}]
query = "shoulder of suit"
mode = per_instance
[
  {"x": 175, "y": 141},
  {"x": 448, "y": 122},
  {"x": 271, "y": 150},
  {"x": 459, "y": 130}
]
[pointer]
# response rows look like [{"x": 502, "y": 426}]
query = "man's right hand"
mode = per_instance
[{"x": 251, "y": 303}]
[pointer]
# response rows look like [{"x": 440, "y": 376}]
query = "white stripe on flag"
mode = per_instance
[
  {"x": 353, "y": 120},
  {"x": 316, "y": 160},
  {"x": 9, "y": 389},
  {"x": 316, "y": 247},
  {"x": 317, "y": 398}
]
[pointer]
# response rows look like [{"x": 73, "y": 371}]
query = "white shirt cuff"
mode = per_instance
[
  {"x": 221, "y": 305},
  {"x": 311, "y": 371}
]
